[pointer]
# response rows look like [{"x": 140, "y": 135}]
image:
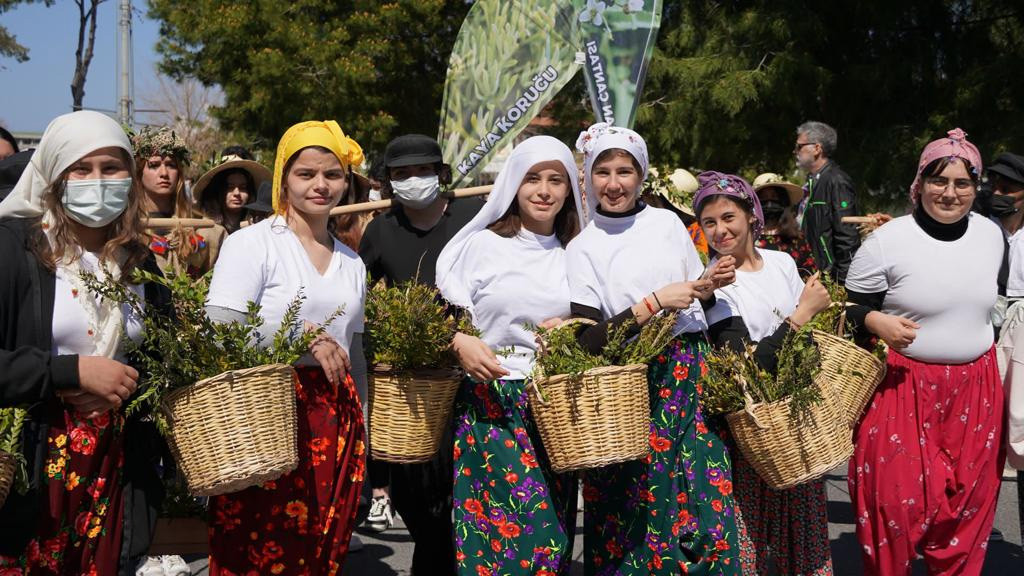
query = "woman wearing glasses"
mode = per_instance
[{"x": 926, "y": 470}]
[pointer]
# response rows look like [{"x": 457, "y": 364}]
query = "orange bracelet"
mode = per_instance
[{"x": 649, "y": 307}]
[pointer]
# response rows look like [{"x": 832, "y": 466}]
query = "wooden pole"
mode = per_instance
[
  {"x": 175, "y": 222},
  {"x": 385, "y": 204}
]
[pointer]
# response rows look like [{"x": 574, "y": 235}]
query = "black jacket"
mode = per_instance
[
  {"x": 832, "y": 242},
  {"x": 30, "y": 376}
]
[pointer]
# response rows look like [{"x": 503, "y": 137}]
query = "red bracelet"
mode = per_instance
[{"x": 649, "y": 307}]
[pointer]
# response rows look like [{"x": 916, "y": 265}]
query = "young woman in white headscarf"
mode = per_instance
[
  {"x": 671, "y": 512},
  {"x": 786, "y": 527},
  {"x": 76, "y": 208},
  {"x": 301, "y": 522},
  {"x": 513, "y": 514}
]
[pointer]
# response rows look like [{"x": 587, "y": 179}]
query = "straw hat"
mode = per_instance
[
  {"x": 772, "y": 180},
  {"x": 257, "y": 171},
  {"x": 685, "y": 185}
]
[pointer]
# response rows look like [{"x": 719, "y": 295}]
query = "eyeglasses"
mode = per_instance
[
  {"x": 941, "y": 183},
  {"x": 800, "y": 145}
]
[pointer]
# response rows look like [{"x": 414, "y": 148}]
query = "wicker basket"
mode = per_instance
[
  {"x": 785, "y": 454},
  {"x": 600, "y": 418},
  {"x": 853, "y": 372},
  {"x": 234, "y": 430},
  {"x": 8, "y": 468},
  {"x": 409, "y": 412}
]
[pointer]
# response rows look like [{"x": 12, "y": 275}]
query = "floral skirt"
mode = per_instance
[
  {"x": 789, "y": 527},
  {"x": 299, "y": 524},
  {"x": 671, "y": 512},
  {"x": 513, "y": 515},
  {"x": 79, "y": 531},
  {"x": 927, "y": 466}
]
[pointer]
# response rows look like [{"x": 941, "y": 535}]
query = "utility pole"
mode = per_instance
[{"x": 125, "y": 86}]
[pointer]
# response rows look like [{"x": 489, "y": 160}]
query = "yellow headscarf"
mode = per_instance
[{"x": 313, "y": 133}]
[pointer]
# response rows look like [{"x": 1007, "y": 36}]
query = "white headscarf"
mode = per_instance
[
  {"x": 67, "y": 139},
  {"x": 451, "y": 275},
  {"x": 603, "y": 136}
]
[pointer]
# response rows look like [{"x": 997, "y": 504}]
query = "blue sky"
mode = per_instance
[{"x": 32, "y": 93}]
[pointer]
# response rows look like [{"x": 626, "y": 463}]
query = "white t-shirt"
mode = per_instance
[
  {"x": 265, "y": 263},
  {"x": 515, "y": 281},
  {"x": 948, "y": 288},
  {"x": 763, "y": 298},
  {"x": 615, "y": 262},
  {"x": 70, "y": 321}
]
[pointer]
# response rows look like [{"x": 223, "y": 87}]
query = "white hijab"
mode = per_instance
[
  {"x": 66, "y": 140},
  {"x": 603, "y": 136},
  {"x": 452, "y": 277}
]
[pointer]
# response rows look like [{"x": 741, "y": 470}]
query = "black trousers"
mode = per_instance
[{"x": 422, "y": 494}]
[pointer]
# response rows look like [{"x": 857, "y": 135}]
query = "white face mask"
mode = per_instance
[
  {"x": 96, "y": 203},
  {"x": 416, "y": 192}
]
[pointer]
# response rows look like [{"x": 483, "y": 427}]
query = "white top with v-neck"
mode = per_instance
[{"x": 267, "y": 264}]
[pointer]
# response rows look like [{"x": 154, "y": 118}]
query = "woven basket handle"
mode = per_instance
[{"x": 748, "y": 403}]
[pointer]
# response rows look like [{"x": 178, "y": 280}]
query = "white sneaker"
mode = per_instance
[
  {"x": 381, "y": 516},
  {"x": 355, "y": 544},
  {"x": 175, "y": 566},
  {"x": 151, "y": 567}
]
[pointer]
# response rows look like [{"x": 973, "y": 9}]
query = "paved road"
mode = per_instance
[{"x": 390, "y": 553}]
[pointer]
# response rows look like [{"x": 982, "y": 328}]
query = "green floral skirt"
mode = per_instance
[
  {"x": 672, "y": 512},
  {"x": 513, "y": 515}
]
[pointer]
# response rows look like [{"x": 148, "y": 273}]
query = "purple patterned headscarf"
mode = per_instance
[{"x": 719, "y": 184}]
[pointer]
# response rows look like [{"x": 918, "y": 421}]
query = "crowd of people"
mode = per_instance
[{"x": 553, "y": 241}]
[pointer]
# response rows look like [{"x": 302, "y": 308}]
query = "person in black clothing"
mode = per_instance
[
  {"x": 93, "y": 491},
  {"x": 8, "y": 144},
  {"x": 830, "y": 197},
  {"x": 399, "y": 245}
]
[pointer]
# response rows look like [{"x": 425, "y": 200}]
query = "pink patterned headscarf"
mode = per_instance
[{"x": 954, "y": 145}]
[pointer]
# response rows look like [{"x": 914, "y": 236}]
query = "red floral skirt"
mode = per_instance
[
  {"x": 79, "y": 529},
  {"x": 300, "y": 523}
]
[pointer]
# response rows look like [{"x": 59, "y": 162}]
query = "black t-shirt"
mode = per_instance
[{"x": 394, "y": 250}]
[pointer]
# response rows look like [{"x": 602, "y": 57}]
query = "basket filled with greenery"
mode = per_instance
[
  {"x": 592, "y": 410},
  {"x": 414, "y": 377},
  {"x": 854, "y": 372},
  {"x": 222, "y": 396},
  {"x": 12, "y": 463},
  {"x": 789, "y": 426}
]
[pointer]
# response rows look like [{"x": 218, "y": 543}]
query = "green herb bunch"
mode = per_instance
[
  {"x": 561, "y": 353},
  {"x": 733, "y": 374},
  {"x": 832, "y": 320},
  {"x": 12, "y": 420},
  {"x": 186, "y": 346},
  {"x": 409, "y": 327}
]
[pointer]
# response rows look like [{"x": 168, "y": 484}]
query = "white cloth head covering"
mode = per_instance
[
  {"x": 603, "y": 136},
  {"x": 67, "y": 139},
  {"x": 451, "y": 275}
]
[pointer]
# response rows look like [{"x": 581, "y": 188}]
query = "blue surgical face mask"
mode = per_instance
[
  {"x": 96, "y": 202},
  {"x": 416, "y": 192}
]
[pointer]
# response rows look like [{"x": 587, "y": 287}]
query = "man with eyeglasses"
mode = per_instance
[{"x": 829, "y": 196}]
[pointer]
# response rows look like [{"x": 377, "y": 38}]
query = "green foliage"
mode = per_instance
[
  {"x": 377, "y": 68},
  {"x": 733, "y": 375},
  {"x": 561, "y": 353},
  {"x": 409, "y": 326},
  {"x": 9, "y": 46},
  {"x": 12, "y": 420},
  {"x": 178, "y": 350},
  {"x": 730, "y": 82}
]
